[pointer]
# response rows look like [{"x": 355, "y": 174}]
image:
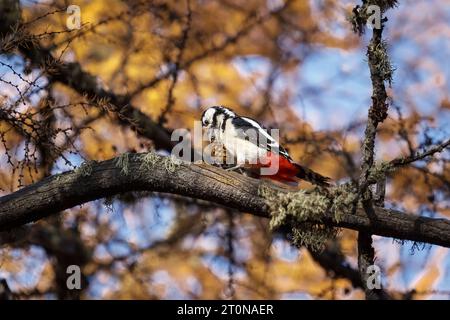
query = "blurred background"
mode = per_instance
[{"x": 294, "y": 65}]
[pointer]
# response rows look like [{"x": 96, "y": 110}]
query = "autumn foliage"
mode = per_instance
[{"x": 69, "y": 96}]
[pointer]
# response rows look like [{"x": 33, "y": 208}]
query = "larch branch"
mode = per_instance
[{"x": 200, "y": 181}]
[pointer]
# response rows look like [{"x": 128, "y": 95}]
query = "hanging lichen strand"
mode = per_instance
[{"x": 303, "y": 211}]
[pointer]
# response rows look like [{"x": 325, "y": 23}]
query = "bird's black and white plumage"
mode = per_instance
[
  {"x": 252, "y": 146},
  {"x": 229, "y": 128}
]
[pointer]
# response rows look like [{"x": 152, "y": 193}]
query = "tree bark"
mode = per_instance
[{"x": 106, "y": 178}]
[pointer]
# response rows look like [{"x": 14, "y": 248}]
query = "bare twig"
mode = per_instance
[{"x": 420, "y": 156}]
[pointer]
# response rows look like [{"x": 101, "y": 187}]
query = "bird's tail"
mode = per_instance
[{"x": 311, "y": 176}]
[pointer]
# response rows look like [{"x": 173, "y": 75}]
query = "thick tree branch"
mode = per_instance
[{"x": 100, "y": 179}]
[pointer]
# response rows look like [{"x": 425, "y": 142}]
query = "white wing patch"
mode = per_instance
[
  {"x": 272, "y": 144},
  {"x": 262, "y": 131}
]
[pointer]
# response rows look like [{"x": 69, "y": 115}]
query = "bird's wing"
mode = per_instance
[{"x": 249, "y": 131}]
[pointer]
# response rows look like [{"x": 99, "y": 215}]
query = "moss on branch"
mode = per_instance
[
  {"x": 151, "y": 158},
  {"x": 123, "y": 162},
  {"x": 360, "y": 14},
  {"x": 304, "y": 210},
  {"x": 85, "y": 169}
]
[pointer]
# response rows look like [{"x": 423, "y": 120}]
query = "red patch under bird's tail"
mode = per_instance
[{"x": 289, "y": 171}]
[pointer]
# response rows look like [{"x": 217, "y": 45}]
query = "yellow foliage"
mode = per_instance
[{"x": 131, "y": 48}]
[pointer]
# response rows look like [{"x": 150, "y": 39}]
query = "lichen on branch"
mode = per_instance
[
  {"x": 123, "y": 162},
  {"x": 381, "y": 61},
  {"x": 85, "y": 169},
  {"x": 151, "y": 158},
  {"x": 379, "y": 171},
  {"x": 360, "y": 14},
  {"x": 304, "y": 210}
]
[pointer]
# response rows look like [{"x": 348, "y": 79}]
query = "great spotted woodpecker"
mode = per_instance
[{"x": 252, "y": 147}]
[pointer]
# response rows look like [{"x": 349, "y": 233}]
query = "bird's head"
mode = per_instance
[{"x": 214, "y": 117}]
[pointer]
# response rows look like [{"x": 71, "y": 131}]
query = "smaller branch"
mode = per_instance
[
  {"x": 366, "y": 256},
  {"x": 380, "y": 192},
  {"x": 438, "y": 176},
  {"x": 407, "y": 160},
  {"x": 181, "y": 48},
  {"x": 332, "y": 260},
  {"x": 5, "y": 292},
  {"x": 380, "y": 72}
]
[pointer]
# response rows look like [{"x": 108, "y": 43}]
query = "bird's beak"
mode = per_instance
[{"x": 211, "y": 135}]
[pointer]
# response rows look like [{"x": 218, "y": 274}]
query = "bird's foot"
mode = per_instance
[{"x": 235, "y": 168}]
